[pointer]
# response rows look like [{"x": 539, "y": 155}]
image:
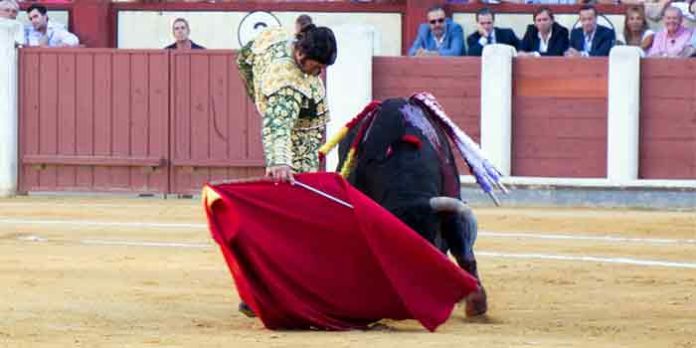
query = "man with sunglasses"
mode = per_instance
[{"x": 439, "y": 37}]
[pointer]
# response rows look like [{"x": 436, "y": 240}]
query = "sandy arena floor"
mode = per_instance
[{"x": 95, "y": 272}]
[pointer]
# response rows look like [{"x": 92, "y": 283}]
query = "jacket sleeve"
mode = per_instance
[
  {"x": 514, "y": 40},
  {"x": 420, "y": 40},
  {"x": 605, "y": 45},
  {"x": 527, "y": 44},
  {"x": 457, "y": 43},
  {"x": 282, "y": 112},
  {"x": 474, "y": 48},
  {"x": 244, "y": 63},
  {"x": 575, "y": 40},
  {"x": 563, "y": 42}
]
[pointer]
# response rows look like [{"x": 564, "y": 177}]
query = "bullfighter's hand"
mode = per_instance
[{"x": 280, "y": 173}]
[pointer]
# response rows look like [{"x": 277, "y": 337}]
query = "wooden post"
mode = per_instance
[{"x": 91, "y": 22}]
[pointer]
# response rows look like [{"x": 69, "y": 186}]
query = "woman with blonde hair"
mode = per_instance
[{"x": 636, "y": 31}]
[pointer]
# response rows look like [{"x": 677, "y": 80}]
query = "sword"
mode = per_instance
[{"x": 322, "y": 193}]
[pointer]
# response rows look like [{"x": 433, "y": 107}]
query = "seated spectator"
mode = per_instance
[
  {"x": 47, "y": 33},
  {"x": 181, "y": 31},
  {"x": 439, "y": 37},
  {"x": 535, "y": 2},
  {"x": 545, "y": 37},
  {"x": 591, "y": 39},
  {"x": 301, "y": 22},
  {"x": 9, "y": 9},
  {"x": 636, "y": 31},
  {"x": 675, "y": 39},
  {"x": 488, "y": 34}
]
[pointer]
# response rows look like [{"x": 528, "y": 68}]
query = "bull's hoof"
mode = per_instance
[
  {"x": 476, "y": 303},
  {"x": 246, "y": 310}
]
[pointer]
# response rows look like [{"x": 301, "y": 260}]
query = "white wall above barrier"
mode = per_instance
[
  {"x": 219, "y": 29},
  {"x": 8, "y": 106},
  {"x": 349, "y": 80}
]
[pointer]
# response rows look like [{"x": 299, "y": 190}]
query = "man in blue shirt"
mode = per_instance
[{"x": 439, "y": 37}]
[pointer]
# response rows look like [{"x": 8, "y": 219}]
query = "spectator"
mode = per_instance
[
  {"x": 636, "y": 32},
  {"x": 488, "y": 34},
  {"x": 545, "y": 37},
  {"x": 181, "y": 31},
  {"x": 590, "y": 39},
  {"x": 301, "y": 22},
  {"x": 439, "y": 37},
  {"x": 9, "y": 9},
  {"x": 675, "y": 39},
  {"x": 47, "y": 33}
]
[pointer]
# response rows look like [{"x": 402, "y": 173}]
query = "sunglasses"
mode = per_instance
[{"x": 439, "y": 20}]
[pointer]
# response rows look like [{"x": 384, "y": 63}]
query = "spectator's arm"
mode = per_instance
[
  {"x": 527, "y": 44},
  {"x": 457, "y": 43},
  {"x": 67, "y": 38},
  {"x": 565, "y": 42},
  {"x": 515, "y": 40},
  {"x": 246, "y": 69},
  {"x": 474, "y": 47},
  {"x": 419, "y": 42},
  {"x": 647, "y": 42},
  {"x": 654, "y": 51},
  {"x": 605, "y": 45}
]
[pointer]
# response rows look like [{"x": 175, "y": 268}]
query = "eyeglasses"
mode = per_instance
[{"x": 439, "y": 20}]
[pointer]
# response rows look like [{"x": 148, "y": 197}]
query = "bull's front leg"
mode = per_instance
[{"x": 460, "y": 229}]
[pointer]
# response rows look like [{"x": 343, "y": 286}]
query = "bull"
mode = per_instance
[{"x": 399, "y": 155}]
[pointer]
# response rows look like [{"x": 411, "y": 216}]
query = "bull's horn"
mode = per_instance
[{"x": 449, "y": 204}]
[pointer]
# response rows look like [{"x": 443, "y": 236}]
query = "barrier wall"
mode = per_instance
[
  {"x": 215, "y": 129},
  {"x": 94, "y": 120},
  {"x": 559, "y": 117},
  {"x": 166, "y": 122},
  {"x": 668, "y": 119}
]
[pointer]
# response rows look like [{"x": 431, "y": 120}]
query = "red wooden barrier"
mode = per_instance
[
  {"x": 559, "y": 117},
  {"x": 167, "y": 122},
  {"x": 94, "y": 120},
  {"x": 215, "y": 131},
  {"x": 668, "y": 119}
]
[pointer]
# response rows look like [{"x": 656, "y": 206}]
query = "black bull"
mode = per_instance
[{"x": 405, "y": 163}]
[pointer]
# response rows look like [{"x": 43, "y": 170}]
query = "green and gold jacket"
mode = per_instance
[{"x": 287, "y": 99}]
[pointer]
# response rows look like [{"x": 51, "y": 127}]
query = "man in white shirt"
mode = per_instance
[
  {"x": 8, "y": 13},
  {"x": 46, "y": 33}
]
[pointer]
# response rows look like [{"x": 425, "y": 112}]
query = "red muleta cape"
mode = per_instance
[{"x": 302, "y": 261}]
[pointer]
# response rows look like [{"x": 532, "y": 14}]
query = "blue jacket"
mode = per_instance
[
  {"x": 453, "y": 44},
  {"x": 602, "y": 42}
]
